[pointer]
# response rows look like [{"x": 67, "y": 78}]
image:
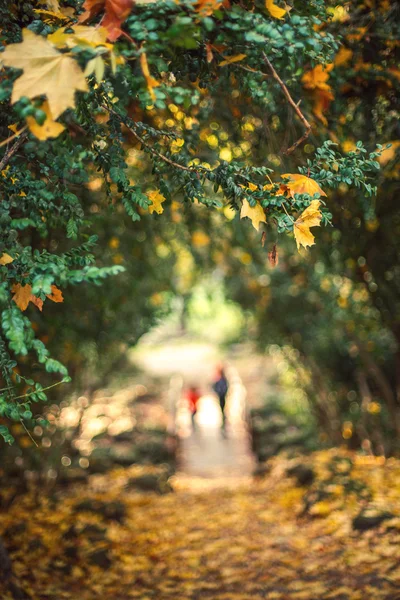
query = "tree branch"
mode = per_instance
[
  {"x": 150, "y": 148},
  {"x": 292, "y": 103},
  {"x": 9, "y": 153}
]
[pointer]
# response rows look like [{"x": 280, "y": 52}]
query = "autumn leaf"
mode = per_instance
[
  {"x": 97, "y": 66},
  {"x": 82, "y": 34},
  {"x": 46, "y": 71},
  {"x": 343, "y": 56},
  {"x": 310, "y": 217},
  {"x": 254, "y": 213},
  {"x": 49, "y": 129},
  {"x": 301, "y": 184},
  {"x": 115, "y": 13},
  {"x": 205, "y": 8},
  {"x": 317, "y": 78},
  {"x": 150, "y": 80},
  {"x": 274, "y": 10},
  {"x": 23, "y": 296},
  {"x": 232, "y": 59},
  {"x": 273, "y": 257},
  {"x": 56, "y": 294},
  {"x": 5, "y": 259},
  {"x": 156, "y": 202}
]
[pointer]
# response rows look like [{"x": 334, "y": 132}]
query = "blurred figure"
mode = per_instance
[
  {"x": 220, "y": 387},
  {"x": 193, "y": 396}
]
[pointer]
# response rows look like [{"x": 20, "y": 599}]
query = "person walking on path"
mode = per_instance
[
  {"x": 220, "y": 387},
  {"x": 193, "y": 396}
]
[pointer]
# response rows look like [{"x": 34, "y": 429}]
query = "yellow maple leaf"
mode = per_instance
[
  {"x": 97, "y": 66},
  {"x": 232, "y": 59},
  {"x": 150, "y": 80},
  {"x": 46, "y": 71},
  {"x": 157, "y": 199},
  {"x": 254, "y": 213},
  {"x": 49, "y": 129},
  {"x": 275, "y": 11},
  {"x": 5, "y": 259},
  {"x": 82, "y": 35},
  {"x": 301, "y": 184},
  {"x": 310, "y": 217}
]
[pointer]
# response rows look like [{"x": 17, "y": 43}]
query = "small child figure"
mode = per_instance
[{"x": 193, "y": 396}]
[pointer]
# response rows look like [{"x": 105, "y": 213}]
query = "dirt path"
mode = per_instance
[{"x": 220, "y": 535}]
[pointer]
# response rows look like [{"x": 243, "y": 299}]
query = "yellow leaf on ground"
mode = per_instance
[
  {"x": 46, "y": 71},
  {"x": 310, "y": 217},
  {"x": 5, "y": 259},
  {"x": 275, "y": 11},
  {"x": 56, "y": 294},
  {"x": 150, "y": 80},
  {"x": 157, "y": 199},
  {"x": 23, "y": 295},
  {"x": 254, "y": 213},
  {"x": 49, "y": 129},
  {"x": 232, "y": 59},
  {"x": 301, "y": 184}
]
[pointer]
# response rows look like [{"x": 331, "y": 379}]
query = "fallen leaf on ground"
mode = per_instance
[{"x": 310, "y": 217}]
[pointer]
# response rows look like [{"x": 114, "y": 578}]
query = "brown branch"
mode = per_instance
[
  {"x": 9, "y": 153},
  {"x": 150, "y": 148},
  {"x": 292, "y": 103}
]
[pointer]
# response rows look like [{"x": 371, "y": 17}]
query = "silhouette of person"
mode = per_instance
[
  {"x": 220, "y": 387},
  {"x": 193, "y": 395}
]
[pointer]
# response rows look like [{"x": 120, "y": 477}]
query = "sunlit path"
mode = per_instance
[{"x": 208, "y": 451}]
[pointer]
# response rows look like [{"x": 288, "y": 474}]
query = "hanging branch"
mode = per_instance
[{"x": 292, "y": 103}]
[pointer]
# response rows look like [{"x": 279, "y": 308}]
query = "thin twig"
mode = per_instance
[
  {"x": 148, "y": 146},
  {"x": 28, "y": 432},
  {"x": 292, "y": 103},
  {"x": 17, "y": 144}
]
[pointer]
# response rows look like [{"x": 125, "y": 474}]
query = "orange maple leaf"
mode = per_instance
[
  {"x": 56, "y": 294},
  {"x": 115, "y": 13},
  {"x": 23, "y": 296}
]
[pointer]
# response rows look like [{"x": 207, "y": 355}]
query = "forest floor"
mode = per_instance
[{"x": 221, "y": 534}]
